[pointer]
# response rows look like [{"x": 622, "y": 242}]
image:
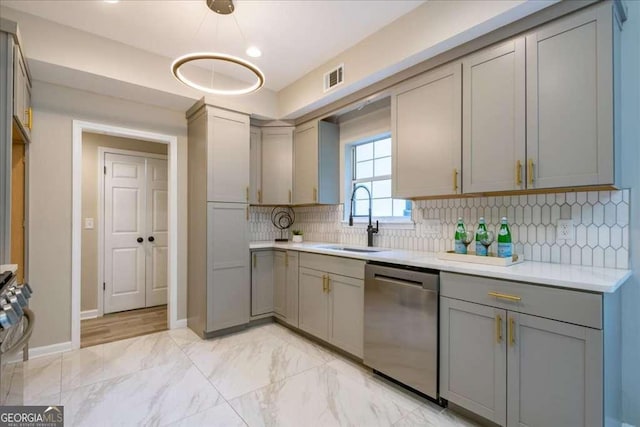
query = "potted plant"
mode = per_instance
[{"x": 297, "y": 236}]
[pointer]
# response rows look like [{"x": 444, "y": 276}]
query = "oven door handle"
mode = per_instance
[{"x": 25, "y": 336}]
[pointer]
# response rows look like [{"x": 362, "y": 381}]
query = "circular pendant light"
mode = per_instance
[
  {"x": 175, "y": 68},
  {"x": 220, "y": 7}
]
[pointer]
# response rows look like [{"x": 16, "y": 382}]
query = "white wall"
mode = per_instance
[
  {"x": 430, "y": 29},
  {"x": 631, "y": 159},
  {"x": 50, "y": 167}
]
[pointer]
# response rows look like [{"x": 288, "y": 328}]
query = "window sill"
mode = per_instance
[{"x": 388, "y": 223}]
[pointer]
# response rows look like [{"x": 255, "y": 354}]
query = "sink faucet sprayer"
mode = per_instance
[{"x": 370, "y": 228}]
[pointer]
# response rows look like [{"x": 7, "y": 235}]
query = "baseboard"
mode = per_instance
[
  {"x": 89, "y": 314},
  {"x": 180, "y": 323},
  {"x": 45, "y": 350}
]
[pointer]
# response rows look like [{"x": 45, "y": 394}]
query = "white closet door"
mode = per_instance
[
  {"x": 156, "y": 232},
  {"x": 124, "y": 204}
]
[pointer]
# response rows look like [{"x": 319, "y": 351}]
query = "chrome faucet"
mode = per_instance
[{"x": 370, "y": 228}]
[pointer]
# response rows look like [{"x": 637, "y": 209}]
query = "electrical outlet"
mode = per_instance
[
  {"x": 565, "y": 230},
  {"x": 432, "y": 227}
]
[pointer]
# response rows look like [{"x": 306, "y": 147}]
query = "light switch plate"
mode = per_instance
[
  {"x": 88, "y": 223},
  {"x": 565, "y": 231}
]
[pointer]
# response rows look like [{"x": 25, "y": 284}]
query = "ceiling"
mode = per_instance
[{"x": 295, "y": 36}]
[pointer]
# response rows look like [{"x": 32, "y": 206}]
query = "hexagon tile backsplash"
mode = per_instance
[{"x": 600, "y": 219}]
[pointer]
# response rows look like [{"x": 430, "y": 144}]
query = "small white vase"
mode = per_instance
[{"x": 296, "y": 238}]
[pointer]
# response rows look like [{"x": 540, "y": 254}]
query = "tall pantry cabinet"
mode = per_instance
[{"x": 219, "y": 284}]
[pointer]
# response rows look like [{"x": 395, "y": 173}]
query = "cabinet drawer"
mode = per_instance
[
  {"x": 332, "y": 264},
  {"x": 580, "y": 308}
]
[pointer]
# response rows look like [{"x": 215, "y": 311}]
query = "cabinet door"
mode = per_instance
[
  {"x": 292, "y": 288},
  {"x": 262, "y": 269},
  {"x": 314, "y": 308},
  {"x": 280, "y": 283},
  {"x": 493, "y": 118},
  {"x": 255, "y": 165},
  {"x": 228, "y": 275},
  {"x": 473, "y": 358},
  {"x": 21, "y": 91},
  {"x": 570, "y": 101},
  {"x": 228, "y": 156},
  {"x": 426, "y": 134},
  {"x": 305, "y": 164},
  {"x": 554, "y": 372},
  {"x": 277, "y": 165},
  {"x": 347, "y": 313}
]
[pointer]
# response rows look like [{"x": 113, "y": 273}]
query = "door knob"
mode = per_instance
[
  {"x": 140, "y": 239},
  {"x": 151, "y": 238}
]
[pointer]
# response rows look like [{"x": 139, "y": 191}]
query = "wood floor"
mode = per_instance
[{"x": 126, "y": 324}]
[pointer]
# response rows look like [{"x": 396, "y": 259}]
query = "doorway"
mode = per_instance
[
  {"x": 80, "y": 222},
  {"x": 134, "y": 224}
]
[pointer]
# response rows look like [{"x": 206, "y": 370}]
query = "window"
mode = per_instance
[{"x": 371, "y": 168}]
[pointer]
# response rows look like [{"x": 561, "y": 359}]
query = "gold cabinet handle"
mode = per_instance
[
  {"x": 259, "y": 196},
  {"x": 498, "y": 329},
  {"x": 289, "y": 196},
  {"x": 530, "y": 172},
  {"x": 247, "y": 196},
  {"x": 29, "y": 113},
  {"x": 286, "y": 259},
  {"x": 512, "y": 331},
  {"x": 518, "y": 173},
  {"x": 328, "y": 283},
  {"x": 455, "y": 180},
  {"x": 247, "y": 209},
  {"x": 255, "y": 261},
  {"x": 324, "y": 283},
  {"x": 315, "y": 194},
  {"x": 505, "y": 296}
]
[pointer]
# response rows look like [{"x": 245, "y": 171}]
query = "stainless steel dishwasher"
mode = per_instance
[{"x": 401, "y": 325}]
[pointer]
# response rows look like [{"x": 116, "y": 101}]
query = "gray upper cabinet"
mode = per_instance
[
  {"x": 227, "y": 156},
  {"x": 426, "y": 134},
  {"x": 554, "y": 373},
  {"x": 262, "y": 282},
  {"x": 570, "y": 128},
  {"x": 316, "y": 169},
  {"x": 493, "y": 124},
  {"x": 255, "y": 165},
  {"x": 473, "y": 358},
  {"x": 277, "y": 166}
]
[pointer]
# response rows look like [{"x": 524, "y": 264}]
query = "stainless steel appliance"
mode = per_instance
[
  {"x": 401, "y": 325},
  {"x": 16, "y": 326}
]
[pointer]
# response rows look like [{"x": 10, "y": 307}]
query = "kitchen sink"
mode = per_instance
[{"x": 348, "y": 249}]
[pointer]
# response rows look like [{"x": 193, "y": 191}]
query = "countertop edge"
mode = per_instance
[{"x": 430, "y": 260}]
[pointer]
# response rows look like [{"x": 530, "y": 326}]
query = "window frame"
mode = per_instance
[{"x": 352, "y": 181}]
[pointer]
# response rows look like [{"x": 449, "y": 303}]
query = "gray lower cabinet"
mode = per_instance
[
  {"x": 262, "y": 281},
  {"x": 501, "y": 361},
  {"x": 474, "y": 358},
  {"x": 332, "y": 304},
  {"x": 285, "y": 300}
]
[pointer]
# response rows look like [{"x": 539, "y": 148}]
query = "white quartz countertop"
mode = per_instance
[
  {"x": 593, "y": 279},
  {"x": 8, "y": 267}
]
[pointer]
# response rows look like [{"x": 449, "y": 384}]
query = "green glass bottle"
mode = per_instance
[
  {"x": 481, "y": 232},
  {"x": 460, "y": 247},
  {"x": 505, "y": 248}
]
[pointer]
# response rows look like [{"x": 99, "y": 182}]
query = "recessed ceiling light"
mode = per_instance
[
  {"x": 254, "y": 52},
  {"x": 111, "y": 1}
]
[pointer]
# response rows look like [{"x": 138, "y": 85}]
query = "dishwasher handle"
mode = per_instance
[{"x": 398, "y": 276}]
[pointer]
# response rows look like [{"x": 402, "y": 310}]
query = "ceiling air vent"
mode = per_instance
[{"x": 334, "y": 78}]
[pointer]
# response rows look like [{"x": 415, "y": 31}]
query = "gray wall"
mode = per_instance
[
  {"x": 631, "y": 161},
  {"x": 90, "y": 204},
  {"x": 55, "y": 108}
]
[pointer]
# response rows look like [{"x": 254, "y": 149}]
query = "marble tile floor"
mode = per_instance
[{"x": 264, "y": 376}]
